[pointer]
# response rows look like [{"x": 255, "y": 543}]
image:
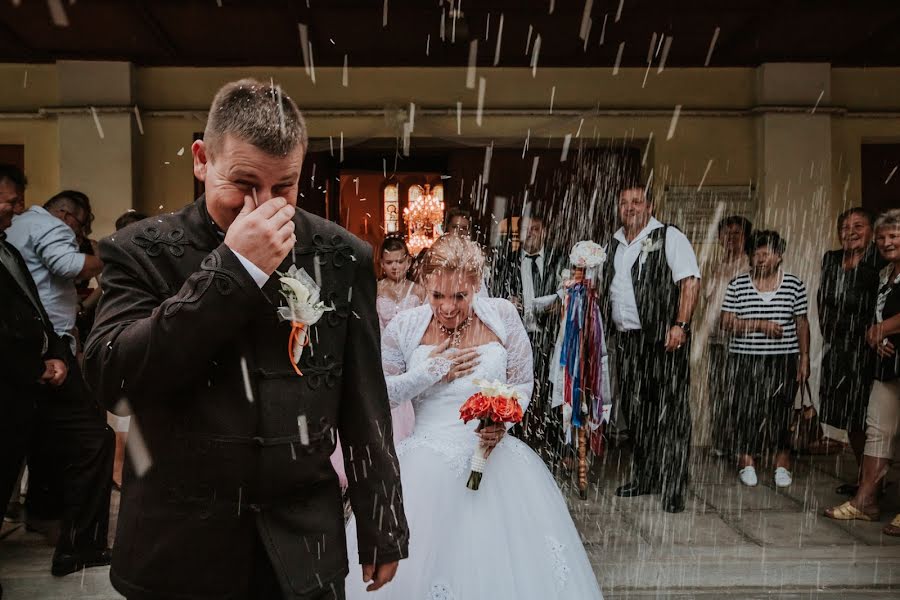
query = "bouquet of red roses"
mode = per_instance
[{"x": 495, "y": 403}]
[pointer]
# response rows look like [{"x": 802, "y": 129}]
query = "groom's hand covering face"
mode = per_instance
[{"x": 251, "y": 195}]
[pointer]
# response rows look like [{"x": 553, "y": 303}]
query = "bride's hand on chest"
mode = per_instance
[{"x": 462, "y": 362}]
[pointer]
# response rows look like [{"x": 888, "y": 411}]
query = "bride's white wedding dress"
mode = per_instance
[{"x": 513, "y": 538}]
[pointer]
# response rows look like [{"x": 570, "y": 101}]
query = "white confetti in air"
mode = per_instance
[
  {"x": 618, "y": 58},
  {"x": 428, "y": 45},
  {"x": 248, "y": 389},
  {"x": 345, "y": 76},
  {"x": 890, "y": 175},
  {"x": 674, "y": 123},
  {"x": 280, "y": 109},
  {"x": 585, "y": 20},
  {"x": 603, "y": 30},
  {"x": 499, "y": 39},
  {"x": 406, "y": 138},
  {"x": 487, "y": 28},
  {"x": 552, "y": 6},
  {"x": 180, "y": 151},
  {"x": 486, "y": 171},
  {"x": 647, "y": 150},
  {"x": 712, "y": 46},
  {"x": 136, "y": 448},
  {"x": 819, "y": 99},
  {"x": 412, "y": 116},
  {"x": 482, "y": 83},
  {"x": 665, "y": 54},
  {"x": 470, "y": 71},
  {"x": 528, "y": 41},
  {"x": 443, "y": 25},
  {"x": 255, "y": 197},
  {"x": 578, "y": 133},
  {"x": 535, "y": 53},
  {"x": 458, "y": 117},
  {"x": 705, "y": 173},
  {"x": 240, "y": 499},
  {"x": 619, "y": 11},
  {"x": 137, "y": 118},
  {"x": 341, "y": 159},
  {"x": 312, "y": 64},
  {"x": 303, "y": 428},
  {"x": 384, "y": 16},
  {"x": 565, "y": 149},
  {"x": 552, "y": 98},
  {"x": 58, "y": 13},
  {"x": 304, "y": 45},
  {"x": 527, "y": 139},
  {"x": 97, "y": 122},
  {"x": 534, "y": 167}
]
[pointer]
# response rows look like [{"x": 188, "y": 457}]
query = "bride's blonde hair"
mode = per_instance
[{"x": 454, "y": 253}]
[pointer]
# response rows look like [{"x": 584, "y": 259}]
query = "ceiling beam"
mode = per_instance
[{"x": 162, "y": 38}]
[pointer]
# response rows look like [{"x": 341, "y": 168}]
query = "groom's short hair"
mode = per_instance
[{"x": 255, "y": 112}]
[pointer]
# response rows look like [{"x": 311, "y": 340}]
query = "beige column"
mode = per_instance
[
  {"x": 96, "y": 155},
  {"x": 794, "y": 173}
]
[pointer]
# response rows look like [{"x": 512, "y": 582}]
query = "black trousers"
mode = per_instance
[
  {"x": 17, "y": 412},
  {"x": 74, "y": 450},
  {"x": 654, "y": 387}
]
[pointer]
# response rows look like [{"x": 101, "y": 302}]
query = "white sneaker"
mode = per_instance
[
  {"x": 748, "y": 476},
  {"x": 783, "y": 477}
]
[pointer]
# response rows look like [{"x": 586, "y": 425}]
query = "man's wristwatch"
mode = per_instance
[{"x": 685, "y": 326}]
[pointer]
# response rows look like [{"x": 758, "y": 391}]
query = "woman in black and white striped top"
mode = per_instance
[{"x": 765, "y": 312}]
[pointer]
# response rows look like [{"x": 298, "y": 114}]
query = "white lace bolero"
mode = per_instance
[{"x": 404, "y": 334}]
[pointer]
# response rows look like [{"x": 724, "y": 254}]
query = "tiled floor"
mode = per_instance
[{"x": 732, "y": 541}]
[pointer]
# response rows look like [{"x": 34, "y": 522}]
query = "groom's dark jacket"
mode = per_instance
[{"x": 187, "y": 342}]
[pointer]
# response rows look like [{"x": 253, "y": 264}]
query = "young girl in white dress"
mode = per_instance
[{"x": 513, "y": 538}]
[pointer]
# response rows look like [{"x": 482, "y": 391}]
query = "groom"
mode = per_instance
[{"x": 230, "y": 492}]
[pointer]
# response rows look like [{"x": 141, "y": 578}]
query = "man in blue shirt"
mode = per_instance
[{"x": 72, "y": 448}]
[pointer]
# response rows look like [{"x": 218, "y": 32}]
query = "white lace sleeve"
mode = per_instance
[
  {"x": 404, "y": 384},
  {"x": 519, "y": 361}
]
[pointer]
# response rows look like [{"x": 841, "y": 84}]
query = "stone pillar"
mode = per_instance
[
  {"x": 794, "y": 173},
  {"x": 101, "y": 167}
]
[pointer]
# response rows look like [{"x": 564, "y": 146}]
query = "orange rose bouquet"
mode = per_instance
[{"x": 495, "y": 403}]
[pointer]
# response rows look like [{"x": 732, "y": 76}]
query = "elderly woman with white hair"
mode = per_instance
[{"x": 883, "y": 416}]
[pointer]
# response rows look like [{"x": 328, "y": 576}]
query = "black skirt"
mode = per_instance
[
  {"x": 847, "y": 371},
  {"x": 761, "y": 402}
]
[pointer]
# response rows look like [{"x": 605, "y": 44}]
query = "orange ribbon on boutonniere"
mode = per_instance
[{"x": 303, "y": 310}]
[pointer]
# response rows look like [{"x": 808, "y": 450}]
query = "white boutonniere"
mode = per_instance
[
  {"x": 647, "y": 246},
  {"x": 303, "y": 310}
]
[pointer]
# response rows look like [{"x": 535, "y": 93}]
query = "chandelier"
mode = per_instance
[{"x": 424, "y": 214}]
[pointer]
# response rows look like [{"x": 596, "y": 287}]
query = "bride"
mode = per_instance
[{"x": 513, "y": 538}]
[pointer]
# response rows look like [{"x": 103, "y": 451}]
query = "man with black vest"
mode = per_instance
[{"x": 652, "y": 282}]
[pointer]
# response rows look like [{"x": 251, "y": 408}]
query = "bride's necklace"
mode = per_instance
[{"x": 455, "y": 335}]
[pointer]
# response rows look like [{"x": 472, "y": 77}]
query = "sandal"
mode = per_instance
[
  {"x": 848, "y": 512},
  {"x": 893, "y": 528}
]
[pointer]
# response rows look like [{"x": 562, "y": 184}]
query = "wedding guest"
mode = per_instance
[
  {"x": 395, "y": 294},
  {"x": 765, "y": 312},
  {"x": 70, "y": 427},
  {"x": 734, "y": 232},
  {"x": 129, "y": 217},
  {"x": 883, "y": 414},
  {"x": 531, "y": 281},
  {"x": 653, "y": 279},
  {"x": 846, "y": 302},
  {"x": 32, "y": 353},
  {"x": 459, "y": 222},
  {"x": 233, "y": 495}
]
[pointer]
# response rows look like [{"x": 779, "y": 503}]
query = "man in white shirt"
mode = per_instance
[{"x": 653, "y": 280}]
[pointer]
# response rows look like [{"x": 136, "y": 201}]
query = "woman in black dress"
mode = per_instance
[{"x": 846, "y": 301}]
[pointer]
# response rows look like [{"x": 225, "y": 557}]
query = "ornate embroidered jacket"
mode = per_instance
[{"x": 237, "y": 444}]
